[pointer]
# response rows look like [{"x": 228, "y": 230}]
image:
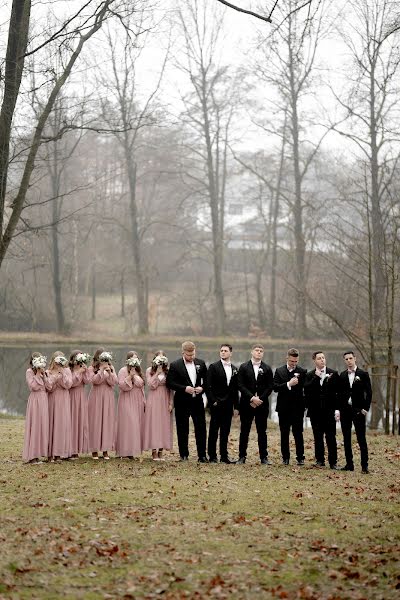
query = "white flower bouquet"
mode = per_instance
[
  {"x": 61, "y": 360},
  {"x": 39, "y": 362},
  {"x": 105, "y": 357},
  {"x": 82, "y": 358},
  {"x": 134, "y": 361},
  {"x": 160, "y": 361}
]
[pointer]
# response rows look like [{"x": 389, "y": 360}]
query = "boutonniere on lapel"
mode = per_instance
[
  {"x": 328, "y": 376},
  {"x": 197, "y": 368},
  {"x": 260, "y": 371},
  {"x": 234, "y": 372},
  {"x": 356, "y": 378}
]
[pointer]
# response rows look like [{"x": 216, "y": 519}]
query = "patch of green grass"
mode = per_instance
[{"x": 140, "y": 529}]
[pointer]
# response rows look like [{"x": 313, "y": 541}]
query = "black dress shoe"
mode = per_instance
[
  {"x": 241, "y": 460},
  {"x": 265, "y": 461},
  {"x": 184, "y": 458},
  {"x": 319, "y": 463},
  {"x": 334, "y": 467},
  {"x": 202, "y": 459},
  {"x": 285, "y": 461},
  {"x": 300, "y": 463},
  {"x": 365, "y": 471},
  {"x": 347, "y": 468},
  {"x": 213, "y": 460},
  {"x": 227, "y": 461}
]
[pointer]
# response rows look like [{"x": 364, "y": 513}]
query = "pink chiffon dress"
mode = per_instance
[
  {"x": 158, "y": 419},
  {"x": 130, "y": 416},
  {"x": 36, "y": 439},
  {"x": 101, "y": 411},
  {"x": 79, "y": 412},
  {"x": 60, "y": 414}
]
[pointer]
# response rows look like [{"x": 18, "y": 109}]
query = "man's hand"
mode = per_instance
[
  {"x": 189, "y": 389},
  {"x": 255, "y": 401},
  {"x": 198, "y": 389},
  {"x": 318, "y": 372},
  {"x": 293, "y": 381},
  {"x": 236, "y": 412},
  {"x": 337, "y": 415},
  {"x": 364, "y": 412}
]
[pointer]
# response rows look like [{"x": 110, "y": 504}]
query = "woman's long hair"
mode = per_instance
[
  {"x": 34, "y": 355},
  {"x": 72, "y": 362},
  {"x": 96, "y": 362},
  {"x": 138, "y": 370},
  {"x": 52, "y": 363},
  {"x": 165, "y": 368}
]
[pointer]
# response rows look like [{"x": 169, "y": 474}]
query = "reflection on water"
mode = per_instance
[{"x": 15, "y": 360}]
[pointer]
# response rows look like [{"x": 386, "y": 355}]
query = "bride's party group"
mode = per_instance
[{"x": 63, "y": 421}]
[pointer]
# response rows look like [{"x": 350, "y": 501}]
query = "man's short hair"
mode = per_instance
[
  {"x": 293, "y": 352},
  {"x": 226, "y": 346},
  {"x": 314, "y": 354},
  {"x": 254, "y": 346},
  {"x": 348, "y": 352},
  {"x": 188, "y": 346}
]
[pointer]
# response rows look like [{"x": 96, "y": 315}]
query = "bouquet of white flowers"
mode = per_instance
[
  {"x": 160, "y": 361},
  {"x": 105, "y": 357},
  {"x": 82, "y": 358},
  {"x": 61, "y": 360},
  {"x": 39, "y": 362},
  {"x": 134, "y": 361}
]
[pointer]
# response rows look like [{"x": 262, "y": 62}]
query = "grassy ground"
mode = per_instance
[{"x": 140, "y": 529}]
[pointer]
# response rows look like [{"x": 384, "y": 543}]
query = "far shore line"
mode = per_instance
[{"x": 21, "y": 339}]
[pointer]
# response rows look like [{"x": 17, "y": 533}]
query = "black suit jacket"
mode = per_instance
[
  {"x": 249, "y": 386},
  {"x": 289, "y": 401},
  {"x": 360, "y": 393},
  {"x": 321, "y": 397},
  {"x": 178, "y": 379},
  {"x": 218, "y": 390}
]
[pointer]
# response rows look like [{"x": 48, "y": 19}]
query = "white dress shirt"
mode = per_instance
[
  {"x": 256, "y": 366},
  {"x": 191, "y": 369},
  {"x": 228, "y": 370}
]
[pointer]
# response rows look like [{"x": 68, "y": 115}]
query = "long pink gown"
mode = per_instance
[
  {"x": 130, "y": 418},
  {"x": 60, "y": 414},
  {"x": 101, "y": 411},
  {"x": 36, "y": 439},
  {"x": 79, "y": 412},
  {"x": 158, "y": 419}
]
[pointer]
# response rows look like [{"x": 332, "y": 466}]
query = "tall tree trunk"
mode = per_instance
[
  {"x": 16, "y": 49},
  {"x": 57, "y": 269},
  {"x": 142, "y": 308}
]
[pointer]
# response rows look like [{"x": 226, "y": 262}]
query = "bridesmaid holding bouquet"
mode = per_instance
[
  {"x": 101, "y": 404},
  {"x": 36, "y": 439},
  {"x": 81, "y": 375},
  {"x": 60, "y": 380},
  {"x": 131, "y": 404},
  {"x": 158, "y": 417}
]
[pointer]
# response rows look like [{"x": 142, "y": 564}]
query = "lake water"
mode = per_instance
[{"x": 15, "y": 360}]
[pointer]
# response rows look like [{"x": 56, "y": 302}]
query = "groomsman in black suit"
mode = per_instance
[
  {"x": 255, "y": 380},
  {"x": 187, "y": 376},
  {"x": 355, "y": 400},
  {"x": 321, "y": 393},
  {"x": 289, "y": 385},
  {"x": 223, "y": 399}
]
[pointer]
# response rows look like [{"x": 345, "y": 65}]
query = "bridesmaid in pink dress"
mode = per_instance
[
  {"x": 81, "y": 375},
  {"x": 60, "y": 380},
  {"x": 158, "y": 417},
  {"x": 131, "y": 404},
  {"x": 101, "y": 405},
  {"x": 36, "y": 440}
]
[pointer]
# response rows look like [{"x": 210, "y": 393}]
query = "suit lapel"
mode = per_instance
[{"x": 185, "y": 371}]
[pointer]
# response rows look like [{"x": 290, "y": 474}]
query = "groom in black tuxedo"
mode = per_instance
[
  {"x": 187, "y": 376},
  {"x": 321, "y": 393},
  {"x": 355, "y": 393},
  {"x": 255, "y": 386},
  {"x": 223, "y": 399},
  {"x": 289, "y": 385}
]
